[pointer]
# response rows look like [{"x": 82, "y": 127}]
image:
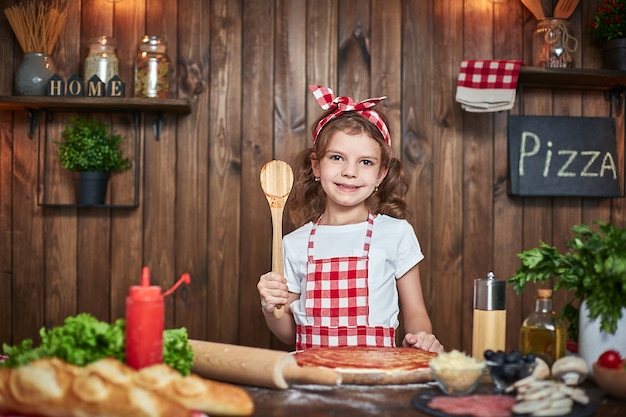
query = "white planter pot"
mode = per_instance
[{"x": 592, "y": 342}]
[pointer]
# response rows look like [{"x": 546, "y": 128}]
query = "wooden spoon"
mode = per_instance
[
  {"x": 276, "y": 182},
  {"x": 565, "y": 8},
  {"x": 535, "y": 8}
]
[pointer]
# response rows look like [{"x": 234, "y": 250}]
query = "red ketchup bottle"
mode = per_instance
[{"x": 145, "y": 317}]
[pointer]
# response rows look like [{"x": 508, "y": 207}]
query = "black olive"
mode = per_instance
[
  {"x": 489, "y": 354},
  {"x": 529, "y": 358},
  {"x": 499, "y": 357},
  {"x": 514, "y": 357},
  {"x": 510, "y": 373}
]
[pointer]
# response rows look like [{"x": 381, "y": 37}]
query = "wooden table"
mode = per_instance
[{"x": 378, "y": 401}]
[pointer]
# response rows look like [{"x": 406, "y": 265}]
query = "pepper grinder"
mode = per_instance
[{"x": 489, "y": 331}]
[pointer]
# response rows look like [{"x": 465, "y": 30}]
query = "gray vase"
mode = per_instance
[{"x": 31, "y": 77}]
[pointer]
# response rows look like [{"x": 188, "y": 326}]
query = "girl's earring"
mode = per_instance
[
  {"x": 376, "y": 188},
  {"x": 317, "y": 179}
]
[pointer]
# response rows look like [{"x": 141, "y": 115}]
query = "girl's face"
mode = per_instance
[{"x": 349, "y": 170}]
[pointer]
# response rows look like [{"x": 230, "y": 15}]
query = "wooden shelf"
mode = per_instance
[
  {"x": 165, "y": 105},
  {"x": 35, "y": 105},
  {"x": 573, "y": 78}
]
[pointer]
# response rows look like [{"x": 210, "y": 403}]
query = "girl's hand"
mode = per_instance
[
  {"x": 424, "y": 341},
  {"x": 273, "y": 290}
]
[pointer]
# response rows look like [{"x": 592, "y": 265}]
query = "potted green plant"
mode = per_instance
[
  {"x": 593, "y": 270},
  {"x": 91, "y": 150},
  {"x": 609, "y": 28}
]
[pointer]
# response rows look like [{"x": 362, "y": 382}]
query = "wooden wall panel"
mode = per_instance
[
  {"x": 478, "y": 159},
  {"x": 7, "y": 49},
  {"x": 507, "y": 226},
  {"x": 257, "y": 148},
  {"x": 93, "y": 256},
  {"x": 127, "y": 226},
  {"x": 192, "y": 156},
  {"x": 321, "y": 54},
  {"x": 386, "y": 74},
  {"x": 537, "y": 212},
  {"x": 6, "y": 246},
  {"x": 225, "y": 186},
  {"x": 28, "y": 284},
  {"x": 447, "y": 184},
  {"x": 418, "y": 69},
  {"x": 290, "y": 87},
  {"x": 244, "y": 66},
  {"x": 354, "y": 49},
  {"x": 159, "y": 184},
  {"x": 386, "y": 62}
]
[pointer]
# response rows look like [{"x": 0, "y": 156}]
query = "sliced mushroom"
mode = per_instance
[
  {"x": 571, "y": 370},
  {"x": 542, "y": 370}
]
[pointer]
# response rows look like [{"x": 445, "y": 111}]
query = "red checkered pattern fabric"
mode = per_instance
[
  {"x": 311, "y": 336},
  {"x": 338, "y": 297},
  {"x": 337, "y": 300},
  {"x": 489, "y": 74},
  {"x": 342, "y": 104}
]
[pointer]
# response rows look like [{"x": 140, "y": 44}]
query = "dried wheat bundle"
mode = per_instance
[{"x": 37, "y": 25}]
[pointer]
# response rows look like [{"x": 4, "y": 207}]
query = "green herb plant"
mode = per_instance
[
  {"x": 90, "y": 145},
  {"x": 610, "y": 21},
  {"x": 84, "y": 339},
  {"x": 593, "y": 269}
]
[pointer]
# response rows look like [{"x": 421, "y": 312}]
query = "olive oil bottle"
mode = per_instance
[{"x": 543, "y": 333}]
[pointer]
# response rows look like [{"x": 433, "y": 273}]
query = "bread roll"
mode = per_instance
[
  {"x": 109, "y": 388},
  {"x": 194, "y": 392}
]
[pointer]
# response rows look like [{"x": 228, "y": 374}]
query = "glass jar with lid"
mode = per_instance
[
  {"x": 152, "y": 68},
  {"x": 554, "y": 44},
  {"x": 101, "y": 59}
]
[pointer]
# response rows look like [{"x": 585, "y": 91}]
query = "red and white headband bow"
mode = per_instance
[{"x": 342, "y": 104}]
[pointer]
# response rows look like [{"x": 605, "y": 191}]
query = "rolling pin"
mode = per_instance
[{"x": 255, "y": 366}]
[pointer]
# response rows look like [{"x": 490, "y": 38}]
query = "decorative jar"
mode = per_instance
[
  {"x": 101, "y": 59},
  {"x": 554, "y": 44},
  {"x": 152, "y": 68}
]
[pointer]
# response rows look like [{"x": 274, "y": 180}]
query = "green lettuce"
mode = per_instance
[{"x": 84, "y": 339}]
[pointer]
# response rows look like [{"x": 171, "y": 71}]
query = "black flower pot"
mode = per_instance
[
  {"x": 614, "y": 52},
  {"x": 91, "y": 187}
]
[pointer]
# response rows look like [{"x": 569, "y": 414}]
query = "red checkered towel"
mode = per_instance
[{"x": 487, "y": 85}]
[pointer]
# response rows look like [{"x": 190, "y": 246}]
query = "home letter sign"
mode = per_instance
[{"x": 564, "y": 156}]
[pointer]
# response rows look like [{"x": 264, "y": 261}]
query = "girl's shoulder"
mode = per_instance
[
  {"x": 387, "y": 225},
  {"x": 303, "y": 230},
  {"x": 388, "y": 221}
]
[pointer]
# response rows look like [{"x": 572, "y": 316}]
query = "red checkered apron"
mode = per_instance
[{"x": 337, "y": 300}]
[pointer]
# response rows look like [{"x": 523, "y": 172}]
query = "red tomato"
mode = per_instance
[{"x": 610, "y": 359}]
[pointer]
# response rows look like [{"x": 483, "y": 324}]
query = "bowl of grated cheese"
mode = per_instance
[{"x": 456, "y": 373}]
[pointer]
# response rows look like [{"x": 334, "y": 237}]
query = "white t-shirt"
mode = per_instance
[{"x": 394, "y": 250}]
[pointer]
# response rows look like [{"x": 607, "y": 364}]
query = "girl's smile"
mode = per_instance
[{"x": 349, "y": 171}]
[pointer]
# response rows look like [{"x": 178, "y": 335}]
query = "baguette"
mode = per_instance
[{"x": 108, "y": 388}]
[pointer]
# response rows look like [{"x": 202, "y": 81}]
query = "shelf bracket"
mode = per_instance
[
  {"x": 615, "y": 96},
  {"x": 157, "y": 125},
  {"x": 32, "y": 120}
]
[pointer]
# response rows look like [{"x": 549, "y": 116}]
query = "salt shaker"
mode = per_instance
[{"x": 489, "y": 329}]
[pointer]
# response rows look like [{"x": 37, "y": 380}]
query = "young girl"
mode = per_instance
[{"x": 353, "y": 260}]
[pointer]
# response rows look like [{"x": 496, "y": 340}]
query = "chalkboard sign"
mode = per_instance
[{"x": 563, "y": 156}]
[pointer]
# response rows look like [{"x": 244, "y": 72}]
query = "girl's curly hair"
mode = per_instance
[{"x": 307, "y": 200}]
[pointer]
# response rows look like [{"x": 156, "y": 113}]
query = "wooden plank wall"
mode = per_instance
[{"x": 244, "y": 65}]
